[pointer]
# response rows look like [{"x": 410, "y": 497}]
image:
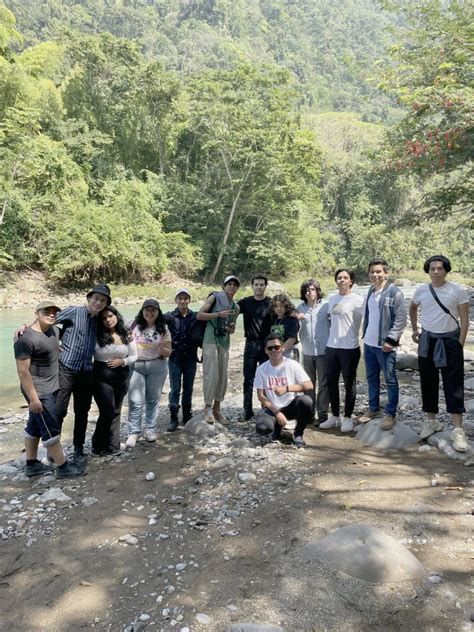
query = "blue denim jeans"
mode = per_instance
[
  {"x": 144, "y": 392},
  {"x": 182, "y": 370},
  {"x": 377, "y": 360}
]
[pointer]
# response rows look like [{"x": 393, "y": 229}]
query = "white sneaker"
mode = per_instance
[
  {"x": 347, "y": 424},
  {"x": 150, "y": 435},
  {"x": 459, "y": 439},
  {"x": 430, "y": 427},
  {"x": 332, "y": 422},
  {"x": 131, "y": 441}
]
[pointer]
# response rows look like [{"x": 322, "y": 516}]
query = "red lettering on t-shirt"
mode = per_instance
[{"x": 277, "y": 381}]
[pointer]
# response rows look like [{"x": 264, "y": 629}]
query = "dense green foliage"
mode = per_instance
[{"x": 140, "y": 137}]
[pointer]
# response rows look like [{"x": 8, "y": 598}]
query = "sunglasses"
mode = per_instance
[{"x": 274, "y": 348}]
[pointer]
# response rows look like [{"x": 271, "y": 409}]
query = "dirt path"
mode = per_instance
[{"x": 220, "y": 534}]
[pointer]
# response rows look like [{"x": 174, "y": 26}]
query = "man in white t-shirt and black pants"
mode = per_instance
[
  {"x": 444, "y": 325},
  {"x": 280, "y": 383}
]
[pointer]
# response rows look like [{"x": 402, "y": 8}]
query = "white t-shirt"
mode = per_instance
[
  {"x": 128, "y": 353},
  {"x": 346, "y": 315},
  {"x": 371, "y": 337},
  {"x": 432, "y": 316},
  {"x": 287, "y": 373}
]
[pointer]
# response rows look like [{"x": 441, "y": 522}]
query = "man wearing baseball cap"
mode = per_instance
[
  {"x": 221, "y": 312},
  {"x": 183, "y": 359},
  {"x": 36, "y": 354},
  {"x": 78, "y": 338}
]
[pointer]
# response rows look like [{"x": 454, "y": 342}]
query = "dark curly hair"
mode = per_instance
[
  {"x": 306, "y": 285},
  {"x": 104, "y": 337},
  {"x": 160, "y": 323},
  {"x": 285, "y": 300},
  {"x": 349, "y": 272}
]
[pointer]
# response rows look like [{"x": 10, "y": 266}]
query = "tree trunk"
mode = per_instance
[{"x": 233, "y": 210}]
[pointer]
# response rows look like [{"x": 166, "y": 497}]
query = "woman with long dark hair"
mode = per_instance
[
  {"x": 314, "y": 330},
  {"x": 153, "y": 341},
  {"x": 343, "y": 350},
  {"x": 114, "y": 352},
  {"x": 284, "y": 323}
]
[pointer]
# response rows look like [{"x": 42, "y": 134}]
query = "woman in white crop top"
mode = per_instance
[
  {"x": 153, "y": 341},
  {"x": 115, "y": 351}
]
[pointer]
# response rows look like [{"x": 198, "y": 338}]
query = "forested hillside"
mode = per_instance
[{"x": 204, "y": 136}]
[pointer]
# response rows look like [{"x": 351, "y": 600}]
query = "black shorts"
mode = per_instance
[{"x": 44, "y": 425}]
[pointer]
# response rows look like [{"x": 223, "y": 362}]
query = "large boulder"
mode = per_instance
[
  {"x": 407, "y": 361},
  {"x": 362, "y": 552},
  {"x": 197, "y": 426}
]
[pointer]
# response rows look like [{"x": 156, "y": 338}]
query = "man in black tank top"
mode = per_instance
[{"x": 256, "y": 310}]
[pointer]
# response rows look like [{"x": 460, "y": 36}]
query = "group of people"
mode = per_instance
[{"x": 90, "y": 352}]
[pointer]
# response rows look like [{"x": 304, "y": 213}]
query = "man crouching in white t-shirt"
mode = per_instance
[
  {"x": 279, "y": 383},
  {"x": 444, "y": 325}
]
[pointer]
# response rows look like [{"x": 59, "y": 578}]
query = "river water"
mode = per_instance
[{"x": 10, "y": 397}]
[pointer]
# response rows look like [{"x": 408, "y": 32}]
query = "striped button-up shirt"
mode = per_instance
[{"x": 78, "y": 338}]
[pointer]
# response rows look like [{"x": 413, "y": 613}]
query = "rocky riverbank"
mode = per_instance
[{"x": 217, "y": 539}]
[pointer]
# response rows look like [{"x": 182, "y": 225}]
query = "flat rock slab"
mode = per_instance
[
  {"x": 363, "y": 552},
  {"x": 400, "y": 436}
]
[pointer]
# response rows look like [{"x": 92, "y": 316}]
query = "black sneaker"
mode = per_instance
[
  {"x": 275, "y": 436},
  {"x": 112, "y": 452},
  {"x": 37, "y": 469},
  {"x": 71, "y": 469},
  {"x": 80, "y": 460},
  {"x": 299, "y": 442},
  {"x": 172, "y": 426}
]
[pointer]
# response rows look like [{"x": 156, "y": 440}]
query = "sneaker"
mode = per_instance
[
  {"x": 430, "y": 427},
  {"x": 369, "y": 415},
  {"x": 243, "y": 418},
  {"x": 38, "y": 468},
  {"x": 459, "y": 440},
  {"x": 347, "y": 425},
  {"x": 71, "y": 469},
  {"x": 332, "y": 422},
  {"x": 150, "y": 435},
  {"x": 299, "y": 442},
  {"x": 80, "y": 460},
  {"x": 218, "y": 416},
  {"x": 95, "y": 452},
  {"x": 208, "y": 417},
  {"x": 113, "y": 452},
  {"x": 275, "y": 436},
  {"x": 131, "y": 441},
  {"x": 387, "y": 422}
]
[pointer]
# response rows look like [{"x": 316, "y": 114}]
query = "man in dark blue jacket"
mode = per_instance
[{"x": 183, "y": 360}]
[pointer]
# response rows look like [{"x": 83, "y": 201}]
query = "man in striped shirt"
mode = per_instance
[{"x": 78, "y": 338}]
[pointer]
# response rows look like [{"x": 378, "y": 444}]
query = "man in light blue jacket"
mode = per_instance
[{"x": 385, "y": 319}]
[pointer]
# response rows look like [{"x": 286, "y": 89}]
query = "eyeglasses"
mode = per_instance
[{"x": 274, "y": 348}]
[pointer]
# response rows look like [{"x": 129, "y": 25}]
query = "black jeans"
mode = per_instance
[
  {"x": 343, "y": 361},
  {"x": 453, "y": 378},
  {"x": 254, "y": 355},
  {"x": 110, "y": 387},
  {"x": 79, "y": 384},
  {"x": 301, "y": 409},
  {"x": 181, "y": 370}
]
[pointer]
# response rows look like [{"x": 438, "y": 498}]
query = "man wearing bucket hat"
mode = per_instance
[
  {"x": 36, "y": 354},
  {"x": 221, "y": 311},
  {"x": 78, "y": 338},
  {"x": 183, "y": 359}
]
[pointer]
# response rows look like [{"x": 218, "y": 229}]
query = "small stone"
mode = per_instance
[
  {"x": 247, "y": 477},
  {"x": 84, "y": 583},
  {"x": 150, "y": 476},
  {"x": 53, "y": 494},
  {"x": 128, "y": 539},
  {"x": 435, "y": 579},
  {"x": 203, "y": 618},
  {"x": 180, "y": 567},
  {"x": 434, "y": 482},
  {"x": 144, "y": 617},
  {"x": 424, "y": 448},
  {"x": 88, "y": 501}
]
